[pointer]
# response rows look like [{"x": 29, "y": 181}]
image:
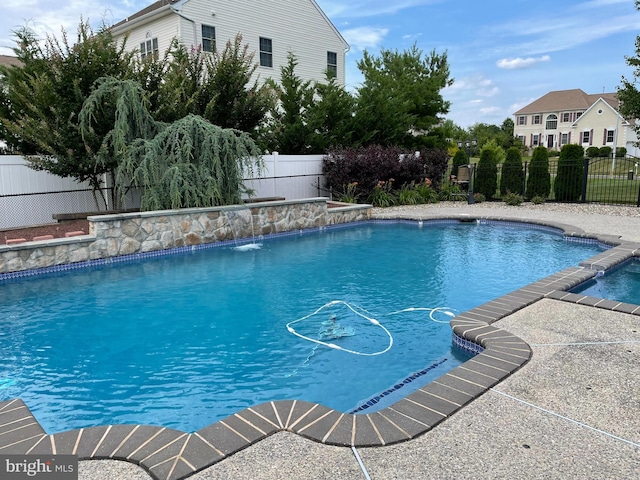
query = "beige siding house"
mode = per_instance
[
  {"x": 8, "y": 60},
  {"x": 272, "y": 29},
  {"x": 573, "y": 116}
]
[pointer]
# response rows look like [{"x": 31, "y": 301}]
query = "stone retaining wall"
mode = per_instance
[{"x": 140, "y": 232}]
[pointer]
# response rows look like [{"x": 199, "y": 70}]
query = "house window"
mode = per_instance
[
  {"x": 149, "y": 48},
  {"x": 552, "y": 122},
  {"x": 332, "y": 64},
  {"x": 208, "y": 38},
  {"x": 266, "y": 52},
  {"x": 521, "y": 139},
  {"x": 522, "y": 120},
  {"x": 564, "y": 139},
  {"x": 578, "y": 115},
  {"x": 610, "y": 135},
  {"x": 585, "y": 137},
  {"x": 566, "y": 117},
  {"x": 535, "y": 140},
  {"x": 537, "y": 119}
]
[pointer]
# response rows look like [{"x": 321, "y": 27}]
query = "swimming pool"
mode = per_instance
[
  {"x": 174, "y": 329},
  {"x": 621, "y": 283}
]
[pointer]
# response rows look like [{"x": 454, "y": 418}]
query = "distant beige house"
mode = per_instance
[
  {"x": 573, "y": 116},
  {"x": 272, "y": 29},
  {"x": 8, "y": 60}
]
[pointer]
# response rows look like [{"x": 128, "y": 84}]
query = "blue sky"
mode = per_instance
[{"x": 502, "y": 54}]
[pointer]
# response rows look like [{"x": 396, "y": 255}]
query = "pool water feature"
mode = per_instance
[
  {"x": 237, "y": 221},
  {"x": 185, "y": 340},
  {"x": 621, "y": 283}
]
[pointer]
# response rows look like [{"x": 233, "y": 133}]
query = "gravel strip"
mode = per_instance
[{"x": 582, "y": 208}]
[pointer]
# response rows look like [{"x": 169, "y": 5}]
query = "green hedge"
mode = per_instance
[
  {"x": 539, "y": 181},
  {"x": 512, "y": 178},
  {"x": 568, "y": 184}
]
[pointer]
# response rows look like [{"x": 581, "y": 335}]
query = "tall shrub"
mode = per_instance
[
  {"x": 436, "y": 161},
  {"x": 512, "y": 179},
  {"x": 487, "y": 173},
  {"x": 568, "y": 184},
  {"x": 460, "y": 158},
  {"x": 539, "y": 181},
  {"x": 367, "y": 166}
]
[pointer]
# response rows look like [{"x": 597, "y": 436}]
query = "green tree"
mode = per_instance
[
  {"x": 452, "y": 131},
  {"x": 539, "y": 180},
  {"x": 487, "y": 171},
  {"x": 507, "y": 139},
  {"x": 460, "y": 158},
  {"x": 43, "y": 97},
  {"x": 236, "y": 102},
  {"x": 512, "y": 175},
  {"x": 180, "y": 91},
  {"x": 628, "y": 93},
  {"x": 568, "y": 183},
  {"x": 215, "y": 86},
  {"x": 288, "y": 131},
  {"x": 484, "y": 133},
  {"x": 400, "y": 98},
  {"x": 330, "y": 117}
]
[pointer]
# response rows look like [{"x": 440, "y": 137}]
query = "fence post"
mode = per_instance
[
  {"x": 585, "y": 176},
  {"x": 275, "y": 173},
  {"x": 524, "y": 181}
]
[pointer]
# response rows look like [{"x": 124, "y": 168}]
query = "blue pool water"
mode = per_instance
[
  {"x": 184, "y": 340},
  {"x": 621, "y": 284}
]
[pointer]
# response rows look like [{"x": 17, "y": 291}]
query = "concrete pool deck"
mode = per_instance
[{"x": 573, "y": 411}]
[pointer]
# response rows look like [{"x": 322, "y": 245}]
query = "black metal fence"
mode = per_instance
[
  {"x": 39, "y": 208},
  {"x": 601, "y": 180},
  {"x": 592, "y": 180}
]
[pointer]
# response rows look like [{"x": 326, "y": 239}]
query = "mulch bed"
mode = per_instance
[{"x": 58, "y": 230}]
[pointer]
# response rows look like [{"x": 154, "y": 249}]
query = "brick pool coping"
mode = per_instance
[{"x": 172, "y": 454}]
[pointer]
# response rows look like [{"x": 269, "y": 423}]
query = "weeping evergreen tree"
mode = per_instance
[
  {"x": 188, "y": 163},
  {"x": 113, "y": 116}
]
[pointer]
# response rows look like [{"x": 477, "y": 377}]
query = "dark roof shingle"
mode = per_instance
[
  {"x": 563, "y": 100},
  {"x": 145, "y": 10}
]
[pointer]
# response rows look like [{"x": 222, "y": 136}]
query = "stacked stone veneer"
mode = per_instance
[{"x": 129, "y": 233}]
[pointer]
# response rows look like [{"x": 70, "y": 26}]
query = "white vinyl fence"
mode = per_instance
[
  {"x": 30, "y": 197},
  {"x": 289, "y": 176}
]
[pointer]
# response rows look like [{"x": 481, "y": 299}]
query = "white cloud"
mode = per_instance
[
  {"x": 476, "y": 85},
  {"x": 44, "y": 19},
  {"x": 362, "y": 38},
  {"x": 541, "y": 36},
  {"x": 410, "y": 36},
  {"x": 514, "y": 107},
  {"x": 602, "y": 3},
  {"x": 493, "y": 110},
  {"x": 516, "y": 63}
]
